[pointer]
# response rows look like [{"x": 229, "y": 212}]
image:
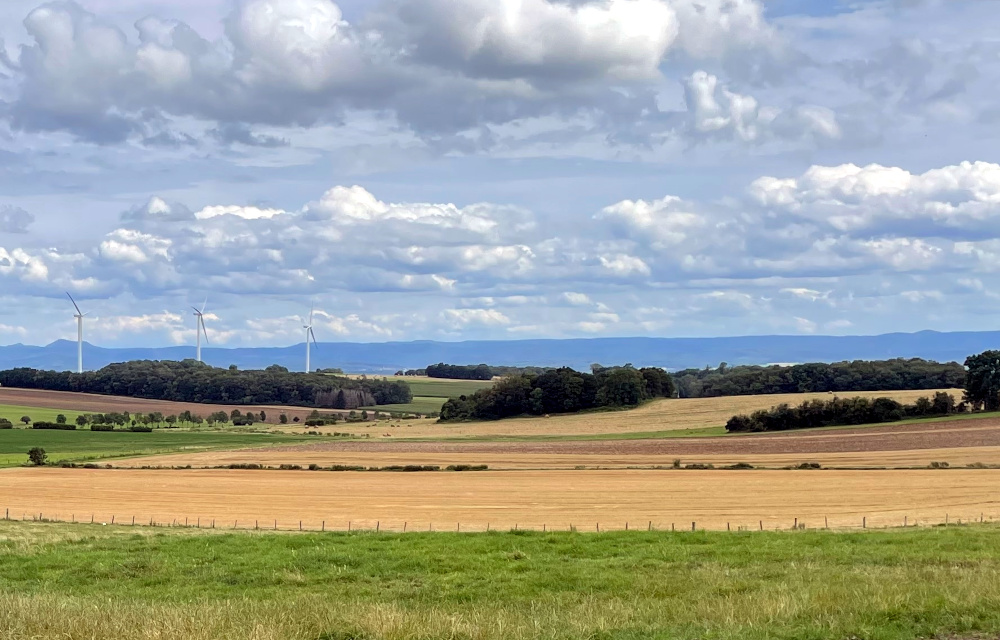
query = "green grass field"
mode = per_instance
[
  {"x": 429, "y": 394},
  {"x": 84, "y": 581},
  {"x": 420, "y": 404},
  {"x": 440, "y": 388},
  {"x": 84, "y": 445},
  {"x": 14, "y": 413}
]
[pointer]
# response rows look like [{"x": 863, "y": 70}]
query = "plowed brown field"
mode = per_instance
[
  {"x": 958, "y": 442},
  {"x": 527, "y": 499}
]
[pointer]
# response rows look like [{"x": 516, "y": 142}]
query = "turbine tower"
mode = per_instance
[
  {"x": 309, "y": 335},
  {"x": 79, "y": 334},
  {"x": 199, "y": 327}
]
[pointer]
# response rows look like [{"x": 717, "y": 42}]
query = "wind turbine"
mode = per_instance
[
  {"x": 79, "y": 334},
  {"x": 199, "y": 327},
  {"x": 309, "y": 334}
]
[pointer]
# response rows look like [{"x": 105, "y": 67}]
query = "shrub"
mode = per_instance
[
  {"x": 283, "y": 419},
  {"x": 809, "y": 465},
  {"x": 25, "y": 419},
  {"x": 53, "y": 425},
  {"x": 60, "y": 419},
  {"x": 313, "y": 467},
  {"x": 37, "y": 456},
  {"x": 140, "y": 429},
  {"x": 6, "y": 424},
  {"x": 740, "y": 465},
  {"x": 838, "y": 411},
  {"x": 245, "y": 465},
  {"x": 939, "y": 465},
  {"x": 102, "y": 427},
  {"x": 466, "y": 467},
  {"x": 289, "y": 467},
  {"x": 697, "y": 465}
]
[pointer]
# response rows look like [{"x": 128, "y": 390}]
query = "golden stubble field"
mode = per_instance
[
  {"x": 502, "y": 500},
  {"x": 660, "y": 415}
]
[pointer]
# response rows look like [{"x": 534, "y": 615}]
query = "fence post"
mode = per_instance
[
  {"x": 796, "y": 525},
  {"x": 598, "y": 527},
  {"x": 378, "y": 524},
  {"x": 185, "y": 521},
  {"x": 864, "y": 522},
  {"x": 727, "y": 527},
  {"x": 905, "y": 518},
  {"x": 672, "y": 526},
  {"x": 826, "y": 522},
  {"x": 692, "y": 526},
  {"x": 112, "y": 518},
  {"x": 7, "y": 514},
  {"x": 404, "y": 527},
  {"x": 213, "y": 523},
  {"x": 626, "y": 526},
  {"x": 761, "y": 522},
  {"x": 91, "y": 518},
  {"x": 300, "y": 525},
  {"x": 322, "y": 527},
  {"x": 458, "y": 527},
  {"x": 348, "y": 526}
]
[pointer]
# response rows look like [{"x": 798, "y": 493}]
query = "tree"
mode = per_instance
[
  {"x": 364, "y": 414},
  {"x": 81, "y": 420},
  {"x": 60, "y": 419},
  {"x": 37, "y": 456},
  {"x": 283, "y": 419},
  {"x": 263, "y": 417},
  {"x": 982, "y": 380},
  {"x": 25, "y": 419}
]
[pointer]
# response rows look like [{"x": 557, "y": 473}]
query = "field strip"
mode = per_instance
[
  {"x": 958, "y": 442},
  {"x": 529, "y": 499},
  {"x": 500, "y": 460}
]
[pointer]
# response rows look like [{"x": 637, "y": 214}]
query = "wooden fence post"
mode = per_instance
[
  {"x": 761, "y": 525},
  {"x": 112, "y": 518},
  {"x": 826, "y": 522},
  {"x": 378, "y": 523},
  {"x": 796, "y": 525},
  {"x": 692, "y": 526},
  {"x": 864, "y": 522},
  {"x": 404, "y": 527},
  {"x": 650, "y": 526},
  {"x": 322, "y": 527}
]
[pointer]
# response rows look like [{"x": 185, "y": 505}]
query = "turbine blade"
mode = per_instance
[
  {"x": 203, "y": 305},
  {"x": 74, "y": 303},
  {"x": 203, "y": 329},
  {"x": 312, "y": 310},
  {"x": 313, "y": 336},
  {"x": 196, "y": 312}
]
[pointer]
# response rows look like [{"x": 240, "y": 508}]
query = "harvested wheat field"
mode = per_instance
[
  {"x": 526, "y": 499},
  {"x": 957, "y": 442},
  {"x": 96, "y": 403},
  {"x": 659, "y": 415}
]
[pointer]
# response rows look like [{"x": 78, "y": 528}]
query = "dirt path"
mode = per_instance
[{"x": 527, "y": 499}]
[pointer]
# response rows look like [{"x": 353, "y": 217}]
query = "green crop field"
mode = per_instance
[
  {"x": 84, "y": 445},
  {"x": 440, "y": 388},
  {"x": 14, "y": 413},
  {"x": 420, "y": 404},
  {"x": 84, "y": 581}
]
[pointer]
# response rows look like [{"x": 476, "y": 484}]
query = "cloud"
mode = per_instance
[
  {"x": 459, "y": 318},
  {"x": 858, "y": 200},
  {"x": 445, "y": 69},
  {"x": 15, "y": 219},
  {"x": 713, "y": 111}
]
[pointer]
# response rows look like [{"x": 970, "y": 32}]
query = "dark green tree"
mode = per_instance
[
  {"x": 37, "y": 456},
  {"x": 982, "y": 380}
]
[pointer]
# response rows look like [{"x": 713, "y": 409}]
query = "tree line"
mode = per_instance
[
  {"x": 561, "y": 390},
  {"x": 842, "y": 411},
  {"x": 471, "y": 371},
  {"x": 192, "y": 381},
  {"x": 838, "y": 377}
]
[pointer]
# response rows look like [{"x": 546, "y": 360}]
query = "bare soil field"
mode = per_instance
[
  {"x": 958, "y": 442},
  {"x": 95, "y": 403},
  {"x": 660, "y": 415},
  {"x": 526, "y": 499}
]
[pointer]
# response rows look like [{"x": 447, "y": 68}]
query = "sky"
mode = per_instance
[{"x": 497, "y": 169}]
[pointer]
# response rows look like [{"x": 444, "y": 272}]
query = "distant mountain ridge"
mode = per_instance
[{"x": 670, "y": 353}]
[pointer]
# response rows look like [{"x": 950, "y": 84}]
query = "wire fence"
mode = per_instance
[{"x": 839, "y": 523}]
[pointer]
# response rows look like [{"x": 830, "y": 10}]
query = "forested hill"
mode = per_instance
[
  {"x": 859, "y": 375},
  {"x": 191, "y": 381},
  {"x": 669, "y": 353}
]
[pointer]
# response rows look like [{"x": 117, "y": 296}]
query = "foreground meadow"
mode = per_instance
[{"x": 59, "y": 581}]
